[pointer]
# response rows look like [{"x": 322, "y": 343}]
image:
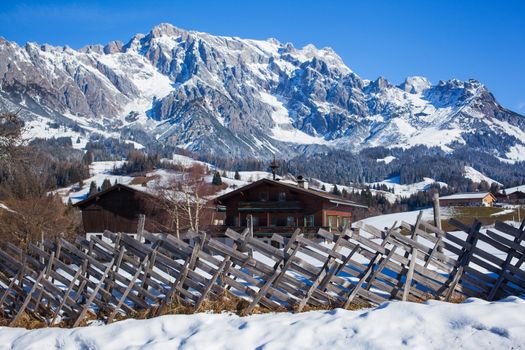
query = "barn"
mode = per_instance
[
  {"x": 468, "y": 199},
  {"x": 279, "y": 206},
  {"x": 118, "y": 209}
]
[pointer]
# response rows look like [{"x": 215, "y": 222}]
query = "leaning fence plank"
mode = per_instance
[
  {"x": 410, "y": 274},
  {"x": 128, "y": 289},
  {"x": 94, "y": 294},
  {"x": 464, "y": 259},
  {"x": 274, "y": 279},
  {"x": 27, "y": 299},
  {"x": 508, "y": 260}
]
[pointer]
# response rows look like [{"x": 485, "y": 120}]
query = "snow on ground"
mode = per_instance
[
  {"x": 387, "y": 159},
  {"x": 474, "y": 324},
  {"x": 40, "y": 128},
  {"x": 409, "y": 189},
  {"x": 387, "y": 220},
  {"x": 4, "y": 207},
  {"x": 99, "y": 171},
  {"x": 504, "y": 212},
  {"x": 516, "y": 153},
  {"x": 476, "y": 176},
  {"x": 187, "y": 161}
]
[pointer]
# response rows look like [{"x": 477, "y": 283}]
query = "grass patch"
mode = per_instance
[{"x": 486, "y": 215}]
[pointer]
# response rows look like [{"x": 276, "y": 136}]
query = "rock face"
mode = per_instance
[{"x": 245, "y": 98}]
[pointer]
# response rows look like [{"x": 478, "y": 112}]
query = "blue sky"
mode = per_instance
[{"x": 484, "y": 40}]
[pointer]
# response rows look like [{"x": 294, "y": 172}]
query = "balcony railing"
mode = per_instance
[
  {"x": 271, "y": 205},
  {"x": 264, "y": 231}
]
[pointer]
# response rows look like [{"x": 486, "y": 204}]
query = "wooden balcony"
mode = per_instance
[
  {"x": 271, "y": 206},
  {"x": 266, "y": 231}
]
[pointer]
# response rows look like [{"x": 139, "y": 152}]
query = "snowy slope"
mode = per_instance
[
  {"x": 476, "y": 176},
  {"x": 474, "y": 324},
  {"x": 407, "y": 190}
]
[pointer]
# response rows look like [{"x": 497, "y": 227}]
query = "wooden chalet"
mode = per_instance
[
  {"x": 515, "y": 196},
  {"x": 469, "y": 199},
  {"x": 279, "y": 206},
  {"x": 118, "y": 209}
]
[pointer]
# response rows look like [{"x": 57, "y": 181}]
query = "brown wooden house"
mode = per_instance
[
  {"x": 278, "y": 206},
  {"x": 516, "y": 197},
  {"x": 117, "y": 209}
]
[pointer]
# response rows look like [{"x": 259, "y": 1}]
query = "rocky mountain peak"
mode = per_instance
[
  {"x": 165, "y": 29},
  {"x": 235, "y": 97},
  {"x": 415, "y": 84}
]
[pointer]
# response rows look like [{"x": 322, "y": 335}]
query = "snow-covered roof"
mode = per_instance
[
  {"x": 468, "y": 195},
  {"x": 514, "y": 189}
]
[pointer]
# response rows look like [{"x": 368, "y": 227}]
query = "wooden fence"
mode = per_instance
[{"x": 120, "y": 276}]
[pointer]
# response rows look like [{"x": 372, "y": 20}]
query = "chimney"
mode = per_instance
[
  {"x": 301, "y": 182},
  {"x": 274, "y": 166}
]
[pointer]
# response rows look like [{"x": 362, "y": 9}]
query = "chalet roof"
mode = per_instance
[
  {"x": 116, "y": 187},
  {"x": 513, "y": 189},
  {"x": 468, "y": 195},
  {"x": 320, "y": 194}
]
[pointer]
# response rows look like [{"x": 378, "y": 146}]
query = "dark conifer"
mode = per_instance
[
  {"x": 92, "y": 189},
  {"x": 217, "y": 180}
]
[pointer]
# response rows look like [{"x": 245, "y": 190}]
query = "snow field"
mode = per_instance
[{"x": 474, "y": 324}]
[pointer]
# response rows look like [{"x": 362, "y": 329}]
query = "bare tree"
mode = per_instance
[
  {"x": 37, "y": 218},
  {"x": 185, "y": 198},
  {"x": 11, "y": 129}
]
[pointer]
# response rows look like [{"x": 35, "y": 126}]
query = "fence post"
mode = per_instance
[
  {"x": 140, "y": 227},
  {"x": 437, "y": 218}
]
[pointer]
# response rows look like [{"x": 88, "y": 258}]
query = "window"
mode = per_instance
[
  {"x": 346, "y": 222},
  {"x": 279, "y": 220},
  {"x": 255, "y": 221},
  {"x": 290, "y": 221},
  {"x": 309, "y": 221},
  {"x": 263, "y": 196},
  {"x": 332, "y": 222},
  {"x": 281, "y": 196}
]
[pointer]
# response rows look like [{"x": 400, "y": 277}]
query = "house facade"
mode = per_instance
[
  {"x": 118, "y": 209},
  {"x": 276, "y": 206},
  {"x": 470, "y": 199},
  {"x": 516, "y": 197}
]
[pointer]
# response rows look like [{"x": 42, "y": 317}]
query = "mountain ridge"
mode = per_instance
[{"x": 238, "y": 98}]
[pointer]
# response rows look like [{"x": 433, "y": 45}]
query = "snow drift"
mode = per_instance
[{"x": 474, "y": 324}]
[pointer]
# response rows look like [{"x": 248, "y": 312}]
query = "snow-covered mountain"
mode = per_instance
[{"x": 242, "y": 98}]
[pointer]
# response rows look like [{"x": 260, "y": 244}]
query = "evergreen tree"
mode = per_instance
[
  {"x": 237, "y": 175},
  {"x": 106, "y": 184},
  {"x": 217, "y": 180},
  {"x": 92, "y": 189},
  {"x": 494, "y": 188},
  {"x": 88, "y": 158},
  {"x": 323, "y": 188},
  {"x": 344, "y": 193},
  {"x": 336, "y": 191}
]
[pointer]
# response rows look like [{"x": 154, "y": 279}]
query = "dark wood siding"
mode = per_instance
[{"x": 118, "y": 211}]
